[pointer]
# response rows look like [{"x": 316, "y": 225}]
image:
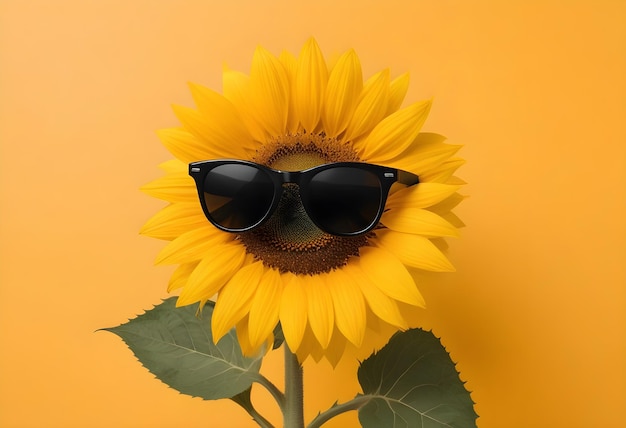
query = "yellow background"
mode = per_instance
[{"x": 535, "y": 90}]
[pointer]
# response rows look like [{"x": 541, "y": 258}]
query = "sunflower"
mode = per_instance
[{"x": 291, "y": 113}]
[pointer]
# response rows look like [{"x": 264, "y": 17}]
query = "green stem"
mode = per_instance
[
  {"x": 259, "y": 419},
  {"x": 273, "y": 390},
  {"x": 293, "y": 412},
  {"x": 354, "y": 404},
  {"x": 244, "y": 399}
]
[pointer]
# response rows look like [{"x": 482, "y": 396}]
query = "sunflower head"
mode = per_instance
[{"x": 325, "y": 289}]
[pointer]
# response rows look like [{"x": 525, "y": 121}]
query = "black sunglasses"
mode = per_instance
[{"x": 343, "y": 198}]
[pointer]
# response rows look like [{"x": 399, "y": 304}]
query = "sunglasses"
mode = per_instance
[{"x": 343, "y": 198}]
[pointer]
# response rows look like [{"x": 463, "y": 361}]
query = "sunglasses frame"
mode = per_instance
[{"x": 386, "y": 176}]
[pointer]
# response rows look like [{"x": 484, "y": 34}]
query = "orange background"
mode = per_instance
[{"x": 535, "y": 90}]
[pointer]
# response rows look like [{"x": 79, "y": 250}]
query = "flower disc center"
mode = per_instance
[{"x": 289, "y": 241}]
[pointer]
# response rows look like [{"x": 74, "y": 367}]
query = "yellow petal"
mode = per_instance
[
  {"x": 443, "y": 172},
  {"x": 290, "y": 63},
  {"x": 174, "y": 166},
  {"x": 293, "y": 310},
  {"x": 389, "y": 275},
  {"x": 269, "y": 92},
  {"x": 372, "y": 106},
  {"x": 210, "y": 134},
  {"x": 394, "y": 133},
  {"x": 227, "y": 131},
  {"x": 320, "y": 308},
  {"x": 186, "y": 146},
  {"x": 192, "y": 245},
  {"x": 173, "y": 187},
  {"x": 243, "y": 338},
  {"x": 236, "y": 89},
  {"x": 317, "y": 352},
  {"x": 212, "y": 273},
  {"x": 235, "y": 298},
  {"x": 345, "y": 83},
  {"x": 426, "y": 153},
  {"x": 418, "y": 221},
  {"x": 380, "y": 304},
  {"x": 447, "y": 204},
  {"x": 421, "y": 196},
  {"x": 309, "y": 347},
  {"x": 424, "y": 138},
  {"x": 397, "y": 91},
  {"x": 422, "y": 158},
  {"x": 265, "y": 308},
  {"x": 174, "y": 220},
  {"x": 440, "y": 243},
  {"x": 269, "y": 342},
  {"x": 445, "y": 207},
  {"x": 349, "y": 306},
  {"x": 453, "y": 219},
  {"x": 413, "y": 250},
  {"x": 456, "y": 180},
  {"x": 311, "y": 80},
  {"x": 180, "y": 276},
  {"x": 336, "y": 348}
]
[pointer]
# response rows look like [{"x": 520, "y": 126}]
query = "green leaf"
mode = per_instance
[
  {"x": 413, "y": 383},
  {"x": 279, "y": 336},
  {"x": 177, "y": 347}
]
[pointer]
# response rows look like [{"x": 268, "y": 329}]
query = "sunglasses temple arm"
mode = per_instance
[{"x": 407, "y": 178}]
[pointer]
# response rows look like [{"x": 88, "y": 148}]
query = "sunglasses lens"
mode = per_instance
[
  {"x": 237, "y": 196},
  {"x": 344, "y": 200}
]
